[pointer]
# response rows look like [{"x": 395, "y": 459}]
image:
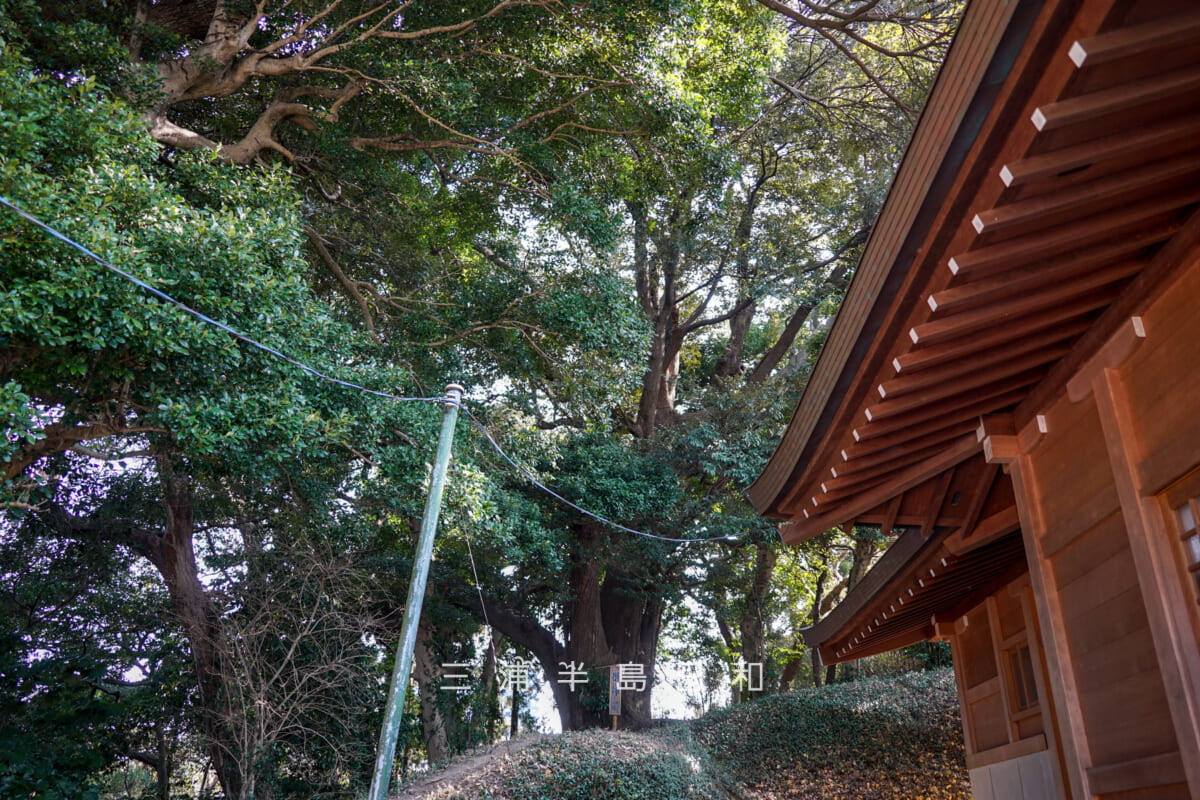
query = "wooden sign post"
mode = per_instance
[{"x": 614, "y": 693}]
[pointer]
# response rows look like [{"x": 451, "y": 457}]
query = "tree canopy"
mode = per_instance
[{"x": 624, "y": 226}]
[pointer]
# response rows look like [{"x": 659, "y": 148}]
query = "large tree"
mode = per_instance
[
  {"x": 737, "y": 231},
  {"x": 625, "y": 225}
]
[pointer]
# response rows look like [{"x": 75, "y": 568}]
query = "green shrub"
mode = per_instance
[{"x": 898, "y": 737}]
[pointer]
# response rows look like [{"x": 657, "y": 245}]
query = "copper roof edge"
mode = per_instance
[{"x": 960, "y": 101}]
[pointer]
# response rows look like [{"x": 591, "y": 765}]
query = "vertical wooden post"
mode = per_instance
[
  {"x": 1002, "y": 667},
  {"x": 956, "y": 656},
  {"x": 1161, "y": 589},
  {"x": 1050, "y": 716},
  {"x": 1064, "y": 692},
  {"x": 614, "y": 693}
]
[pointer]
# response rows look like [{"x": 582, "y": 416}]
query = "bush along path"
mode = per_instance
[
  {"x": 893, "y": 738},
  {"x": 887, "y": 738}
]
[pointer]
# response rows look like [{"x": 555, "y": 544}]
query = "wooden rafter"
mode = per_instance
[
  {"x": 867, "y": 474},
  {"x": 912, "y": 381},
  {"x": 967, "y": 407},
  {"x": 1012, "y": 253},
  {"x": 1032, "y": 364},
  {"x": 1135, "y": 94},
  {"x": 835, "y": 489},
  {"x": 913, "y": 476},
  {"x": 943, "y": 430},
  {"x": 1063, "y": 295},
  {"x": 1052, "y": 326},
  {"x": 1166, "y": 261},
  {"x": 1040, "y": 79},
  {"x": 1173, "y": 31},
  {"x": 866, "y": 456},
  {"x": 889, "y": 516},
  {"x": 1022, "y": 279},
  {"x": 931, "y": 582},
  {"x": 1158, "y": 139},
  {"x": 979, "y": 497},
  {"x": 1073, "y": 202},
  {"x": 935, "y": 502},
  {"x": 984, "y": 532}
]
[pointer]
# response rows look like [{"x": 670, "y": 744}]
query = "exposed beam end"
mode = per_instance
[{"x": 1077, "y": 54}]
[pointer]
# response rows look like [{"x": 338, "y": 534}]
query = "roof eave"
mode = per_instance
[{"x": 985, "y": 48}]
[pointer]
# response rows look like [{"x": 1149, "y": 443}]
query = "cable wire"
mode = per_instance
[
  {"x": 204, "y": 317},
  {"x": 528, "y": 475},
  {"x": 482, "y": 605}
]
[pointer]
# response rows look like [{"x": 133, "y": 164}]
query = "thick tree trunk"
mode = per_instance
[
  {"x": 175, "y": 559},
  {"x": 172, "y": 553},
  {"x": 531, "y": 636},
  {"x": 814, "y": 616},
  {"x": 790, "y": 670},
  {"x": 632, "y": 615},
  {"x": 752, "y": 625},
  {"x": 861, "y": 557},
  {"x": 584, "y": 626},
  {"x": 427, "y": 670},
  {"x": 615, "y": 622},
  {"x": 729, "y": 363}
]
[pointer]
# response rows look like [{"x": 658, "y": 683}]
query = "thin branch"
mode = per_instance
[{"x": 351, "y": 288}]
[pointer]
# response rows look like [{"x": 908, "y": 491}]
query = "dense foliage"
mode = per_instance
[
  {"x": 624, "y": 226},
  {"x": 893, "y": 737},
  {"x": 879, "y": 739}
]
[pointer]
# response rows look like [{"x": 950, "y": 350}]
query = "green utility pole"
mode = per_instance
[{"x": 386, "y": 753}]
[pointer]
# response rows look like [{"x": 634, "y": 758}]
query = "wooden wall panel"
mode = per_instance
[
  {"x": 1100, "y": 592},
  {"x": 975, "y": 642},
  {"x": 1162, "y": 382},
  {"x": 1009, "y": 614},
  {"x": 1121, "y": 659},
  {"x": 1071, "y": 468},
  {"x": 1084, "y": 554},
  {"x": 1148, "y": 399},
  {"x": 1127, "y": 720},
  {"x": 1116, "y": 617},
  {"x": 989, "y": 721},
  {"x": 1106, "y": 635}
]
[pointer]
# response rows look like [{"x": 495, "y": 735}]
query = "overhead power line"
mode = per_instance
[
  {"x": 525, "y": 473},
  {"x": 529, "y": 476},
  {"x": 161, "y": 295}
]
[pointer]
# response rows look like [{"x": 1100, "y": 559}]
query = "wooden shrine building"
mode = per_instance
[{"x": 1012, "y": 389}]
